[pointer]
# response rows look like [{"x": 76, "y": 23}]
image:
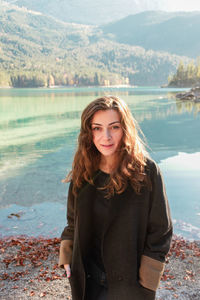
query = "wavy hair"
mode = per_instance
[{"x": 131, "y": 153}]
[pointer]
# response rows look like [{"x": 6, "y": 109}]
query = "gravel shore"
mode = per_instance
[{"x": 29, "y": 270}]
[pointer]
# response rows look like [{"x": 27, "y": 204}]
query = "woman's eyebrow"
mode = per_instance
[
  {"x": 96, "y": 124},
  {"x": 113, "y": 122},
  {"x": 108, "y": 124}
]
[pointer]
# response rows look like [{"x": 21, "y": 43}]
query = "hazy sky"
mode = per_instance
[
  {"x": 187, "y": 5},
  {"x": 103, "y": 11}
]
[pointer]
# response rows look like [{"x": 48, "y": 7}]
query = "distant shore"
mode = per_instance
[
  {"x": 97, "y": 86},
  {"x": 72, "y": 86},
  {"x": 29, "y": 269}
]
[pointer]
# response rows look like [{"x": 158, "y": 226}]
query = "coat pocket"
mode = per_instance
[{"x": 147, "y": 293}]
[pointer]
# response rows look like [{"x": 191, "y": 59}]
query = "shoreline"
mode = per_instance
[
  {"x": 29, "y": 270},
  {"x": 72, "y": 86},
  {"x": 118, "y": 86}
]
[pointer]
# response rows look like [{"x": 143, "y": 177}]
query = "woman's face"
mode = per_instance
[{"x": 107, "y": 131}]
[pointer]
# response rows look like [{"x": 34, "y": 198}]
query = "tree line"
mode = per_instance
[
  {"x": 186, "y": 75},
  {"x": 40, "y": 79}
]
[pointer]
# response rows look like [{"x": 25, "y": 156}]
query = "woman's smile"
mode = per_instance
[
  {"x": 107, "y": 146},
  {"x": 107, "y": 132}
]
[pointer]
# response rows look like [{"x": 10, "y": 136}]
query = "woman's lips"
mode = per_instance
[{"x": 107, "y": 146}]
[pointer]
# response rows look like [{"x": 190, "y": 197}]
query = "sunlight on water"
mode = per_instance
[
  {"x": 35, "y": 132},
  {"x": 183, "y": 163},
  {"x": 182, "y": 175}
]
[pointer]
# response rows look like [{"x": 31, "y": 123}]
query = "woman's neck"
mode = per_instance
[{"x": 107, "y": 164}]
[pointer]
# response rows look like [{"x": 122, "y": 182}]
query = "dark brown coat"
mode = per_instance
[{"x": 136, "y": 240}]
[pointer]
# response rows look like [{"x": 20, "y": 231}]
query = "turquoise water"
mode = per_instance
[{"x": 39, "y": 128}]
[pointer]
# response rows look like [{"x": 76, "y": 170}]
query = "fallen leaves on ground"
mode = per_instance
[
  {"x": 181, "y": 249},
  {"x": 31, "y": 252}
]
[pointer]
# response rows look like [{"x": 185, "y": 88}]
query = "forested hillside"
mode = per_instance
[
  {"x": 176, "y": 33},
  {"x": 36, "y": 50}
]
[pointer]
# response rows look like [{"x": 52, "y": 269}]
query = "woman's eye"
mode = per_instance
[
  {"x": 115, "y": 127},
  {"x": 96, "y": 128}
]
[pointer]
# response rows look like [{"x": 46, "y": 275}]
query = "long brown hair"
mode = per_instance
[{"x": 131, "y": 155}]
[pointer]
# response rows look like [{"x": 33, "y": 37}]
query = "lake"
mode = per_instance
[{"x": 39, "y": 128}]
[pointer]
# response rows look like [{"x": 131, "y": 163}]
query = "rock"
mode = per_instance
[
  {"x": 193, "y": 94},
  {"x": 185, "y": 96},
  {"x": 196, "y": 89}
]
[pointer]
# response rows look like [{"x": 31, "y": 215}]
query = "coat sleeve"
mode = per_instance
[
  {"x": 159, "y": 233},
  {"x": 67, "y": 236}
]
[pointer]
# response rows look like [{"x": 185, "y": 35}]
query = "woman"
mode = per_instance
[{"x": 119, "y": 225}]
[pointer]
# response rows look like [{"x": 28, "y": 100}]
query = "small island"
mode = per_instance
[{"x": 186, "y": 75}]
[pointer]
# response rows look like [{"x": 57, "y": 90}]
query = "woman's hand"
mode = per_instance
[{"x": 68, "y": 270}]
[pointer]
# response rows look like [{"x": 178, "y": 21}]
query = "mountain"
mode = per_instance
[
  {"x": 176, "y": 33},
  {"x": 91, "y": 12},
  {"x": 36, "y": 49}
]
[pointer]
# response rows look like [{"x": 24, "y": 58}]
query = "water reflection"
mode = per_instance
[
  {"x": 86, "y": 91},
  {"x": 31, "y": 124},
  {"x": 189, "y": 106}
]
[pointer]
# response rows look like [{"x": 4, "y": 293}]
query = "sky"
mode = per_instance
[
  {"x": 103, "y": 11},
  {"x": 186, "y": 5},
  {"x": 168, "y": 5}
]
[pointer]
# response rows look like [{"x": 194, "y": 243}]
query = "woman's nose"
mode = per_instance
[{"x": 107, "y": 134}]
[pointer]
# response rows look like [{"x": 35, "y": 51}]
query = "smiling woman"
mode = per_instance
[{"x": 119, "y": 225}]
